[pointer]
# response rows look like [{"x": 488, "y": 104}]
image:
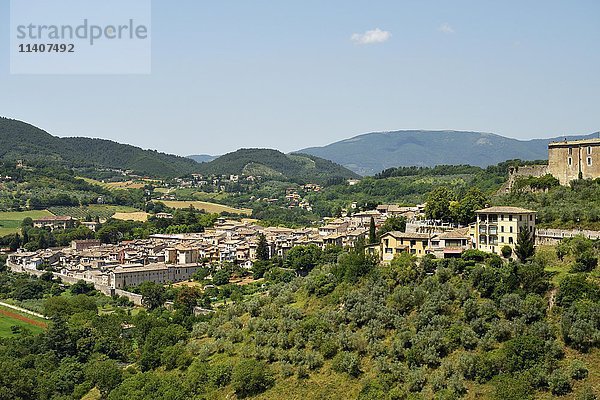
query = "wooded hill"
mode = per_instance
[
  {"x": 275, "y": 164},
  {"x": 22, "y": 141}
]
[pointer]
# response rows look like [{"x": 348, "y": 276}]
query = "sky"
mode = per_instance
[{"x": 294, "y": 74}]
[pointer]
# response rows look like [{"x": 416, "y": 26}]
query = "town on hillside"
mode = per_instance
[{"x": 172, "y": 258}]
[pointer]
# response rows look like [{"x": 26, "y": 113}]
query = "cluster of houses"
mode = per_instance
[{"x": 166, "y": 258}]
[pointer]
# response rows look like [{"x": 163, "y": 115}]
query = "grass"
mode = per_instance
[
  {"x": 10, "y": 221},
  {"x": 206, "y": 206},
  {"x": 546, "y": 255},
  {"x": 10, "y": 317}
]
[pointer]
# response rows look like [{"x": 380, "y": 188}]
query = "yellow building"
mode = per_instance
[
  {"x": 395, "y": 242},
  {"x": 499, "y": 226}
]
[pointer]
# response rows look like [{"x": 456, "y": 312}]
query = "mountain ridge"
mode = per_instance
[
  {"x": 22, "y": 141},
  {"x": 370, "y": 153}
]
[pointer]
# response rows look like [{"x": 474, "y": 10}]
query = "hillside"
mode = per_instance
[
  {"x": 475, "y": 327},
  {"x": 22, "y": 141},
  {"x": 373, "y": 152},
  {"x": 275, "y": 164}
]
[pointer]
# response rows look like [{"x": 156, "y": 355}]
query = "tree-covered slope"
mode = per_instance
[
  {"x": 373, "y": 152},
  {"x": 22, "y": 141},
  {"x": 273, "y": 163}
]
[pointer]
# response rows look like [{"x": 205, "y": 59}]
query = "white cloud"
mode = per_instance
[
  {"x": 446, "y": 28},
  {"x": 369, "y": 37}
]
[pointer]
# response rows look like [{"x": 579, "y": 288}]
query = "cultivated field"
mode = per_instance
[
  {"x": 132, "y": 216},
  {"x": 10, "y": 318},
  {"x": 206, "y": 206},
  {"x": 10, "y": 221},
  {"x": 102, "y": 211},
  {"x": 115, "y": 185}
]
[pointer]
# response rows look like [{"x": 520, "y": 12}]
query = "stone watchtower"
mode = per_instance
[{"x": 570, "y": 160}]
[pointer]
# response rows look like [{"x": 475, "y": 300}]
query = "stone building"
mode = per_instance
[{"x": 570, "y": 160}]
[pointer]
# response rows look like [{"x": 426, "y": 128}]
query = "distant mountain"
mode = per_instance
[
  {"x": 373, "y": 152},
  {"x": 275, "y": 164},
  {"x": 19, "y": 140},
  {"x": 200, "y": 158}
]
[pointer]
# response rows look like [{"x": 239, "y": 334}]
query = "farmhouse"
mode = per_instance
[{"x": 55, "y": 222}]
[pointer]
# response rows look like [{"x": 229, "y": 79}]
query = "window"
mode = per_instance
[
  {"x": 501, "y": 217},
  {"x": 501, "y": 228},
  {"x": 501, "y": 239},
  {"x": 570, "y": 160},
  {"x": 589, "y": 161},
  {"x": 510, "y": 229},
  {"x": 482, "y": 239},
  {"x": 531, "y": 217},
  {"x": 510, "y": 217},
  {"x": 520, "y": 218},
  {"x": 510, "y": 240},
  {"x": 570, "y": 151},
  {"x": 589, "y": 150}
]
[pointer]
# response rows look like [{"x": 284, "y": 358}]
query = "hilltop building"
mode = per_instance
[{"x": 574, "y": 159}]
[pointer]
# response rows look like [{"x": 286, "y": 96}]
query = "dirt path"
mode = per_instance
[
  {"x": 23, "y": 310},
  {"x": 20, "y": 317},
  {"x": 552, "y": 300}
]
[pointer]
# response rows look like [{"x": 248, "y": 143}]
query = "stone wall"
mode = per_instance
[
  {"x": 107, "y": 290},
  {"x": 521, "y": 172},
  {"x": 554, "y": 236}
]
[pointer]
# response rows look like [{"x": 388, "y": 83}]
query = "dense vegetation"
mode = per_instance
[
  {"x": 299, "y": 168},
  {"x": 568, "y": 207},
  {"x": 42, "y": 185},
  {"x": 343, "y": 327},
  {"x": 22, "y": 141}
]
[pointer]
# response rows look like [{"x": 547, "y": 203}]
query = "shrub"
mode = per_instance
[
  {"x": 347, "y": 362},
  {"x": 559, "y": 383},
  {"x": 221, "y": 277},
  {"x": 585, "y": 262},
  {"x": 578, "y": 370},
  {"x": 286, "y": 369},
  {"x": 508, "y": 387},
  {"x": 581, "y": 325},
  {"x": 523, "y": 352},
  {"x": 302, "y": 372},
  {"x": 586, "y": 394},
  {"x": 251, "y": 377},
  {"x": 506, "y": 251}
]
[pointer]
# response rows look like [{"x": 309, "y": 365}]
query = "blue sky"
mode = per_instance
[{"x": 293, "y": 74}]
